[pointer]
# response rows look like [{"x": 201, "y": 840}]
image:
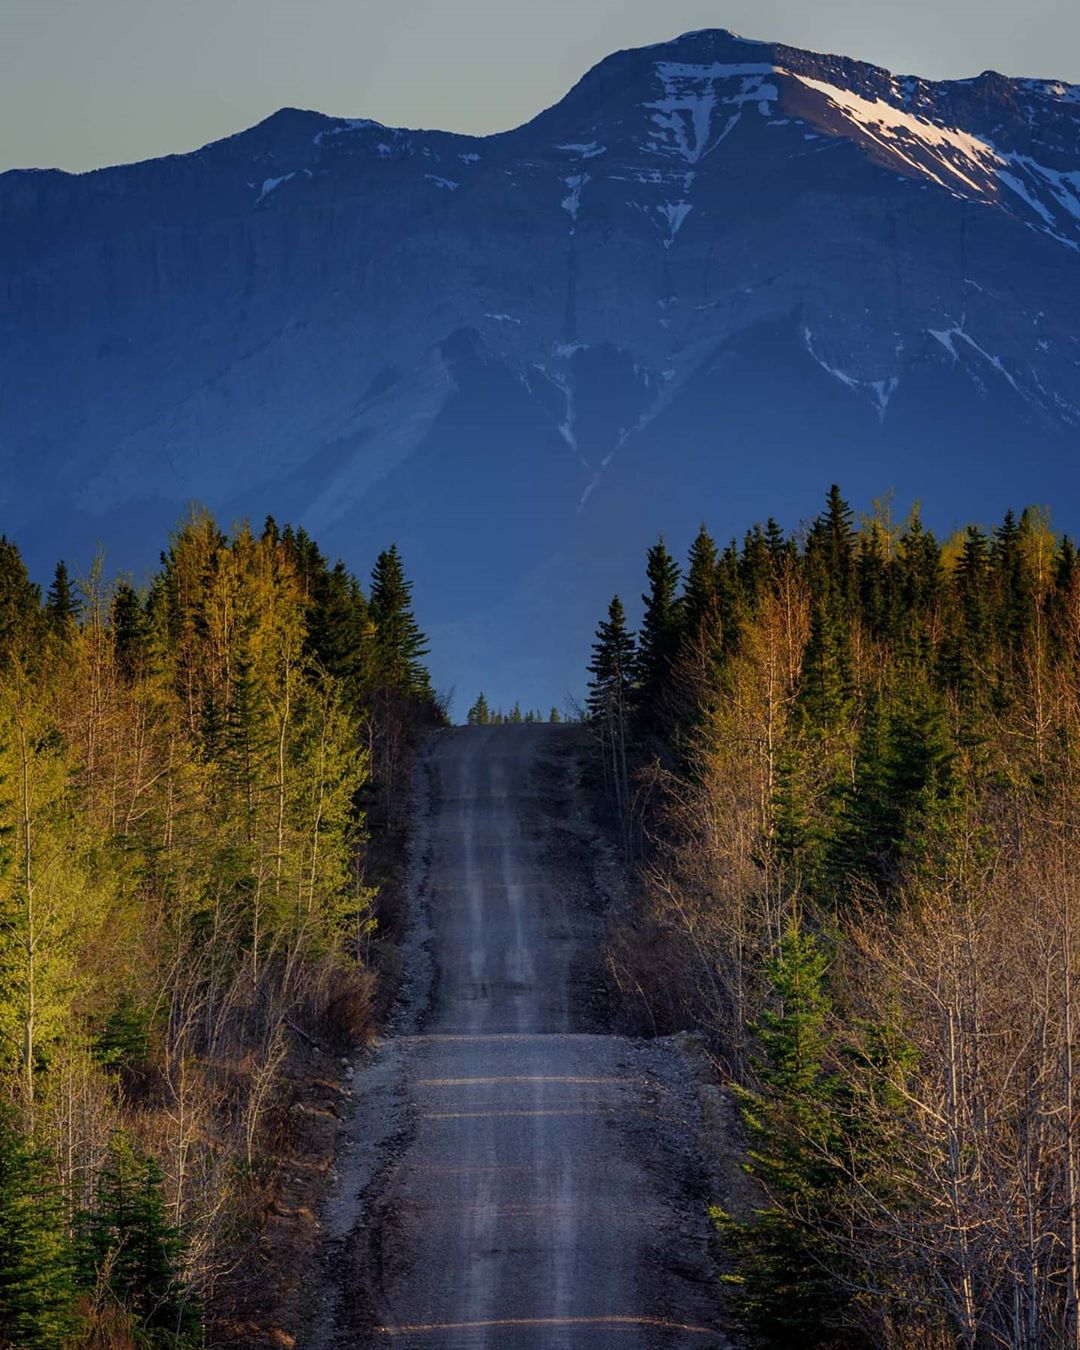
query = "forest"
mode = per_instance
[
  {"x": 843, "y": 764},
  {"x": 196, "y": 778}
]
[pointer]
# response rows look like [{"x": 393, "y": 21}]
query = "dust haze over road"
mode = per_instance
[{"x": 511, "y": 1176}]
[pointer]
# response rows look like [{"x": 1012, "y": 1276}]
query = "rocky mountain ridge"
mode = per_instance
[{"x": 715, "y": 277}]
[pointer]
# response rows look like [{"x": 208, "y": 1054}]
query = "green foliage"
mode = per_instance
[
  {"x": 131, "y": 1255},
  {"x": 61, "y": 604},
  {"x": 37, "y": 1260},
  {"x": 479, "y": 714},
  {"x": 123, "y": 1041},
  {"x": 400, "y": 645},
  {"x": 613, "y": 666},
  {"x": 20, "y": 602},
  {"x": 185, "y": 777},
  {"x": 786, "y": 1290},
  {"x": 658, "y": 642},
  {"x": 854, "y": 725}
]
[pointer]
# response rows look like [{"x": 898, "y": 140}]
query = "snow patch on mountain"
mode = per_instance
[
  {"x": 270, "y": 185},
  {"x": 674, "y": 213},
  {"x": 571, "y": 203},
  {"x": 345, "y": 125},
  {"x": 940, "y": 150},
  {"x": 586, "y": 150},
  {"x": 948, "y": 338},
  {"x": 879, "y": 391},
  {"x": 959, "y": 161},
  {"x": 683, "y": 117},
  {"x": 1055, "y": 89}
]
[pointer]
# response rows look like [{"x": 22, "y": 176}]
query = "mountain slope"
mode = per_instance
[{"x": 716, "y": 276}]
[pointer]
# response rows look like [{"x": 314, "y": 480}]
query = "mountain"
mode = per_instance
[{"x": 714, "y": 278}]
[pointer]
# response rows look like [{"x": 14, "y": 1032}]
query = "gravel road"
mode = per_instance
[{"x": 510, "y": 1177}]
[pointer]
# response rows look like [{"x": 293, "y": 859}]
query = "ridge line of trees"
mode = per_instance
[
  {"x": 191, "y": 778},
  {"x": 844, "y": 766}
]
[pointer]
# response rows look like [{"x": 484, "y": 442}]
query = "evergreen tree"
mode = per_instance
[
  {"x": 611, "y": 689},
  {"x": 918, "y": 588},
  {"x": 130, "y": 630},
  {"x": 400, "y": 644},
  {"x": 729, "y": 597},
  {"x": 20, "y": 602},
  {"x": 61, "y": 604},
  {"x": 658, "y": 643},
  {"x": 613, "y": 665},
  {"x": 830, "y": 553},
  {"x": 903, "y": 783},
  {"x": 37, "y": 1267},
  {"x": 338, "y": 625},
  {"x": 874, "y": 574},
  {"x": 828, "y": 684},
  {"x": 553, "y": 716},
  {"x": 964, "y": 652},
  {"x": 786, "y": 1291},
  {"x": 127, "y": 1241},
  {"x": 479, "y": 714},
  {"x": 755, "y": 565},
  {"x": 699, "y": 599}
]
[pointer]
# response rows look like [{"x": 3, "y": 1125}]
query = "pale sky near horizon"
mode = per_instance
[{"x": 91, "y": 82}]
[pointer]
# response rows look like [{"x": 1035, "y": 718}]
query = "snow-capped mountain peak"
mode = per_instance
[{"x": 714, "y": 264}]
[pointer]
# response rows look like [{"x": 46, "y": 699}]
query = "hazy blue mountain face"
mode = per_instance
[{"x": 716, "y": 277}]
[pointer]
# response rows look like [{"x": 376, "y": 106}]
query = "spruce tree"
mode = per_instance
[
  {"x": 830, "y": 552},
  {"x": 130, "y": 631},
  {"x": 699, "y": 599},
  {"x": 613, "y": 666},
  {"x": 400, "y": 644},
  {"x": 554, "y": 717},
  {"x": 963, "y": 654},
  {"x": 918, "y": 587},
  {"x": 20, "y": 602},
  {"x": 37, "y": 1265},
  {"x": 479, "y": 714},
  {"x": 127, "y": 1240},
  {"x": 338, "y": 625},
  {"x": 61, "y": 604},
  {"x": 786, "y": 1290},
  {"x": 755, "y": 565},
  {"x": 658, "y": 643},
  {"x": 611, "y": 689}
]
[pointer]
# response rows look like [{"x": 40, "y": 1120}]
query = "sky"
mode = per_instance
[{"x": 91, "y": 82}]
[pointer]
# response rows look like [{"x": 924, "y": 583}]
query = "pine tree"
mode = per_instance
[
  {"x": 874, "y": 575},
  {"x": 37, "y": 1266},
  {"x": 611, "y": 690},
  {"x": 828, "y": 683},
  {"x": 20, "y": 602},
  {"x": 830, "y": 553},
  {"x": 755, "y": 565},
  {"x": 553, "y": 716},
  {"x": 131, "y": 631},
  {"x": 963, "y": 655},
  {"x": 61, "y": 604},
  {"x": 127, "y": 1241},
  {"x": 400, "y": 644},
  {"x": 918, "y": 588},
  {"x": 786, "y": 1292},
  {"x": 479, "y": 714},
  {"x": 699, "y": 599},
  {"x": 338, "y": 626},
  {"x": 658, "y": 643}
]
